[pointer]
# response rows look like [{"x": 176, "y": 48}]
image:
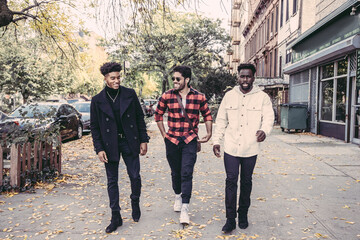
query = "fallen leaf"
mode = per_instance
[{"x": 319, "y": 235}]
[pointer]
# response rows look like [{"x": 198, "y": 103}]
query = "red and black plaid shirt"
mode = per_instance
[{"x": 178, "y": 126}]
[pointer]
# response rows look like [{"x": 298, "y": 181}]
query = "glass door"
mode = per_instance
[{"x": 355, "y": 112}]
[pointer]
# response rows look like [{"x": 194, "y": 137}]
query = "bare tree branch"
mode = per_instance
[{"x": 23, "y": 17}]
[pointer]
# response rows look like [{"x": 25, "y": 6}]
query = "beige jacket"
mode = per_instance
[{"x": 239, "y": 117}]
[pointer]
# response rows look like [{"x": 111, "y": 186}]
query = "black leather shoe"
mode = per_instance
[
  {"x": 136, "y": 213},
  {"x": 116, "y": 221},
  {"x": 243, "y": 220},
  {"x": 229, "y": 225}
]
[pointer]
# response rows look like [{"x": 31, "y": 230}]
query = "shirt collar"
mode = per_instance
[{"x": 192, "y": 90}]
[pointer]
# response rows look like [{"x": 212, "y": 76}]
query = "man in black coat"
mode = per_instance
[{"x": 118, "y": 128}]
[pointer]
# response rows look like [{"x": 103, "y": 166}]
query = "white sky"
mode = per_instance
[{"x": 216, "y": 9}]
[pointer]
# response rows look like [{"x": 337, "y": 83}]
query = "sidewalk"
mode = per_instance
[{"x": 304, "y": 187}]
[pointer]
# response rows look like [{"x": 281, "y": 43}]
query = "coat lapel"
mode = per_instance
[
  {"x": 125, "y": 99},
  {"x": 104, "y": 104}
]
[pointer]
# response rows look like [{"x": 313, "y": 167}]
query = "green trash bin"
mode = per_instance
[{"x": 293, "y": 116}]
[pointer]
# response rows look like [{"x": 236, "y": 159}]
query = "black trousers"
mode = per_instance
[
  {"x": 232, "y": 165},
  {"x": 182, "y": 158},
  {"x": 132, "y": 163}
]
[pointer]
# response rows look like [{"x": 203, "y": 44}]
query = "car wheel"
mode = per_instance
[{"x": 79, "y": 132}]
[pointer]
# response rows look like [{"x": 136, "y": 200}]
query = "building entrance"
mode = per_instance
[{"x": 355, "y": 112}]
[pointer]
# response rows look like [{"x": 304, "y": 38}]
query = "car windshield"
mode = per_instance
[
  {"x": 34, "y": 111},
  {"x": 82, "y": 107}
]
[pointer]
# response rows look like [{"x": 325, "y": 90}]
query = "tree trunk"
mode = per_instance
[
  {"x": 25, "y": 96},
  {"x": 165, "y": 82},
  {"x": 6, "y": 15},
  {"x": 141, "y": 88}
]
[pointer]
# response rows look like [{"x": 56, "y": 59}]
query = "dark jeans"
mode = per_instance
[
  {"x": 232, "y": 165},
  {"x": 132, "y": 163},
  {"x": 182, "y": 158}
]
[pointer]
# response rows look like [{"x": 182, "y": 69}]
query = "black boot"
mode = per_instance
[
  {"x": 243, "y": 219},
  {"x": 116, "y": 221},
  {"x": 136, "y": 213},
  {"x": 229, "y": 225}
]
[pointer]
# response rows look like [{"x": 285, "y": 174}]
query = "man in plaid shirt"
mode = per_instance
[{"x": 181, "y": 140}]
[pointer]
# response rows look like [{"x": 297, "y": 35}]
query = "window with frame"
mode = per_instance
[
  {"x": 270, "y": 64},
  {"x": 272, "y": 25},
  {"x": 295, "y": 2},
  {"x": 276, "y": 19},
  {"x": 282, "y": 13},
  {"x": 275, "y": 61},
  {"x": 333, "y": 87},
  {"x": 288, "y": 55},
  {"x": 299, "y": 87},
  {"x": 268, "y": 29},
  {"x": 287, "y": 10}
]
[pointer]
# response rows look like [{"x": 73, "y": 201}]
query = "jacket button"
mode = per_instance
[
  {"x": 107, "y": 130},
  {"x": 135, "y": 137},
  {"x": 128, "y": 115},
  {"x": 131, "y": 126},
  {"x": 107, "y": 119},
  {"x": 107, "y": 144}
]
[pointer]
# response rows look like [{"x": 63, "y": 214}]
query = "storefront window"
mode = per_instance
[
  {"x": 341, "y": 100},
  {"x": 342, "y": 67},
  {"x": 328, "y": 71},
  {"x": 327, "y": 100},
  {"x": 333, "y": 91}
]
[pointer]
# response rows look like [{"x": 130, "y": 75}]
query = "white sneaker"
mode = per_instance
[
  {"x": 178, "y": 203},
  {"x": 184, "y": 215}
]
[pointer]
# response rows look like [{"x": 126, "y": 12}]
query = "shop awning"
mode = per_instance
[{"x": 326, "y": 54}]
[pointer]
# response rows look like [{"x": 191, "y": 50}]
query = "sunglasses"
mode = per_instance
[{"x": 176, "y": 79}]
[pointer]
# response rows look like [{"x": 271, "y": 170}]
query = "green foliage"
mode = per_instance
[
  {"x": 168, "y": 41},
  {"x": 216, "y": 83},
  {"x": 26, "y": 69}
]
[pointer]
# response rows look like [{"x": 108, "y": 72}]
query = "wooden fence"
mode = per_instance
[{"x": 28, "y": 161}]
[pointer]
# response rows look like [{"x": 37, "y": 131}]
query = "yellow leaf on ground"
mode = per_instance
[
  {"x": 319, "y": 235},
  {"x": 202, "y": 226}
]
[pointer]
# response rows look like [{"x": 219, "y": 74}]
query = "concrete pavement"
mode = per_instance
[{"x": 304, "y": 187}]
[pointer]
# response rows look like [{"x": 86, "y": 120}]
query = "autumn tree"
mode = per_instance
[
  {"x": 216, "y": 83},
  {"x": 169, "y": 41},
  {"x": 24, "y": 68}
]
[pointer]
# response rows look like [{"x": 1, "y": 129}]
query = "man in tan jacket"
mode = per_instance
[{"x": 245, "y": 117}]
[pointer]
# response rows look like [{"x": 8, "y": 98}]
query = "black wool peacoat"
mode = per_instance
[{"x": 103, "y": 123}]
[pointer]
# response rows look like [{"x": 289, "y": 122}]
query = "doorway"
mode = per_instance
[{"x": 355, "y": 112}]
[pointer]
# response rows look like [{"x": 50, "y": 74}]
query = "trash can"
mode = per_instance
[{"x": 293, "y": 116}]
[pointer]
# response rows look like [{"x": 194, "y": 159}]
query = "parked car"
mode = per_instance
[
  {"x": 56, "y": 100},
  {"x": 84, "y": 109},
  {"x": 148, "y": 106},
  {"x": 74, "y": 100},
  {"x": 40, "y": 116},
  {"x": 2, "y": 115}
]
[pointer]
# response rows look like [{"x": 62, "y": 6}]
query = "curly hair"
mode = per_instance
[
  {"x": 185, "y": 71},
  {"x": 110, "y": 67},
  {"x": 247, "y": 66}
]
